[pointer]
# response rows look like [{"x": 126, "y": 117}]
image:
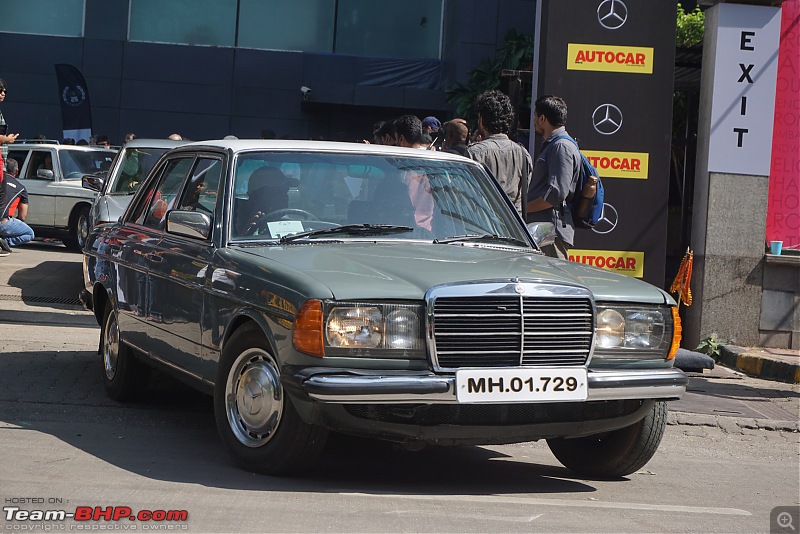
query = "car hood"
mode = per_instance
[
  {"x": 111, "y": 207},
  {"x": 397, "y": 270}
]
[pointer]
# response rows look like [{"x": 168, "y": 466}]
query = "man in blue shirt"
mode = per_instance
[{"x": 554, "y": 177}]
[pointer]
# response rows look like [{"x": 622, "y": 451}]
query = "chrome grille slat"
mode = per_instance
[
  {"x": 510, "y": 330},
  {"x": 444, "y": 334},
  {"x": 551, "y": 333}
]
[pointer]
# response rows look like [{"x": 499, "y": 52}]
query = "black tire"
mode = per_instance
[
  {"x": 124, "y": 376},
  {"x": 271, "y": 438},
  {"x": 617, "y": 453},
  {"x": 78, "y": 229}
]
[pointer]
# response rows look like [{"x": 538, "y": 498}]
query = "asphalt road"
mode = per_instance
[{"x": 66, "y": 447}]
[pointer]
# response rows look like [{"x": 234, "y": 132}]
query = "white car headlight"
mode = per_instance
[
  {"x": 390, "y": 330},
  {"x": 402, "y": 329},
  {"x": 633, "y": 332},
  {"x": 354, "y": 327}
]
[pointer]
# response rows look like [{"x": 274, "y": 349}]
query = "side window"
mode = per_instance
[
  {"x": 141, "y": 203},
  {"x": 39, "y": 160},
  {"x": 201, "y": 192},
  {"x": 165, "y": 195},
  {"x": 20, "y": 156}
]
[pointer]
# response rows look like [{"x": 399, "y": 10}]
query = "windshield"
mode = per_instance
[
  {"x": 76, "y": 163},
  {"x": 133, "y": 168},
  {"x": 283, "y": 194}
]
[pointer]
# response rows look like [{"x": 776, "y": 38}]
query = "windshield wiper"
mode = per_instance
[
  {"x": 482, "y": 237},
  {"x": 352, "y": 229}
]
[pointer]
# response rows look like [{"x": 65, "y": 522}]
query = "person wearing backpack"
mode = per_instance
[{"x": 555, "y": 174}]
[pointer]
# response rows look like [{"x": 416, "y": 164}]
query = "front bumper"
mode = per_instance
[{"x": 340, "y": 386}]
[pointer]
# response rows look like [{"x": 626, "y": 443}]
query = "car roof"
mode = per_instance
[
  {"x": 152, "y": 143},
  {"x": 239, "y": 145},
  {"x": 60, "y": 147}
]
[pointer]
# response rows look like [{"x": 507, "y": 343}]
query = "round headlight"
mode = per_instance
[
  {"x": 402, "y": 329},
  {"x": 610, "y": 329},
  {"x": 645, "y": 329}
]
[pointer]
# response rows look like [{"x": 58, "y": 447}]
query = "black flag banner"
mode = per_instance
[{"x": 76, "y": 112}]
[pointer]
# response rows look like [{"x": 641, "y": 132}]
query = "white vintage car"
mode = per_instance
[{"x": 52, "y": 173}]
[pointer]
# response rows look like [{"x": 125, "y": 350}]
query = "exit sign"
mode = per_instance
[{"x": 744, "y": 70}]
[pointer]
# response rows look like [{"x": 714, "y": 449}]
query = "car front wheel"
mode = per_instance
[
  {"x": 255, "y": 419},
  {"x": 616, "y": 453},
  {"x": 124, "y": 376},
  {"x": 78, "y": 230}
]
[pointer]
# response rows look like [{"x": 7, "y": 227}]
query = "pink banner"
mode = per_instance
[{"x": 783, "y": 210}]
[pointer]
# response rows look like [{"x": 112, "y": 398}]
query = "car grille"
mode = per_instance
[{"x": 511, "y": 330}]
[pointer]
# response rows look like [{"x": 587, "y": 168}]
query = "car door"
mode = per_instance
[
  {"x": 142, "y": 320},
  {"x": 184, "y": 267},
  {"x": 42, "y": 192}
]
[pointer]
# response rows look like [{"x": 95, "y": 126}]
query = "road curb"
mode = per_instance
[
  {"x": 759, "y": 364},
  {"x": 730, "y": 424}
]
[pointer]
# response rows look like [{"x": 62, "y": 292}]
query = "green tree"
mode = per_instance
[
  {"x": 690, "y": 27},
  {"x": 516, "y": 53}
]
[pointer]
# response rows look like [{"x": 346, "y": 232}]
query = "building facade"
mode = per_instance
[{"x": 210, "y": 68}]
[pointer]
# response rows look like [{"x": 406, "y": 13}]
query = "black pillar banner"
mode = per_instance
[
  {"x": 612, "y": 61},
  {"x": 73, "y": 94}
]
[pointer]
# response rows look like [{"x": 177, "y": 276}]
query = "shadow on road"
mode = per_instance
[
  {"x": 49, "y": 282},
  {"x": 47, "y": 318},
  {"x": 171, "y": 436}
]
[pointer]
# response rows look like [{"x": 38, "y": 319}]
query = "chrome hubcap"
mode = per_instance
[
  {"x": 111, "y": 346},
  {"x": 83, "y": 230},
  {"x": 254, "y": 398}
]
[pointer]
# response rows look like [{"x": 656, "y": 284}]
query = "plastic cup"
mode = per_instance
[{"x": 775, "y": 247}]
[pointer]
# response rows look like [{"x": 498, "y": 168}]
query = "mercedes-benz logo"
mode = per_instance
[
  {"x": 607, "y": 119},
  {"x": 612, "y": 14},
  {"x": 608, "y": 221}
]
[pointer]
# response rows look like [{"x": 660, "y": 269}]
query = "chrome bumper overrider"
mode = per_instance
[{"x": 343, "y": 388}]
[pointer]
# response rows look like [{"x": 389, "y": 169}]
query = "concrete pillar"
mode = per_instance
[{"x": 737, "y": 103}]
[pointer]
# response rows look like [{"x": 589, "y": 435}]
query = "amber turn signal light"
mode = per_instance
[
  {"x": 677, "y": 332},
  {"x": 307, "y": 335}
]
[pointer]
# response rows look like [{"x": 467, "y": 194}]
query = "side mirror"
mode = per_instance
[
  {"x": 93, "y": 182},
  {"x": 47, "y": 174},
  {"x": 192, "y": 224},
  {"x": 543, "y": 233}
]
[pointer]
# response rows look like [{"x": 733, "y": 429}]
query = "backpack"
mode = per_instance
[{"x": 588, "y": 213}]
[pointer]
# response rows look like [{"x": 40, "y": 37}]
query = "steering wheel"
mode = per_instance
[{"x": 303, "y": 215}]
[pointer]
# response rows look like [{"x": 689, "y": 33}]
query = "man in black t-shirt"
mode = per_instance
[{"x": 13, "y": 200}]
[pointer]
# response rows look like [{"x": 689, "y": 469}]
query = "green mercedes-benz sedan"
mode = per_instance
[{"x": 393, "y": 293}]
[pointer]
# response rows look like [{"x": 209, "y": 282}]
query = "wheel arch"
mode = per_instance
[
  {"x": 73, "y": 214},
  {"x": 101, "y": 296},
  {"x": 252, "y": 317}
]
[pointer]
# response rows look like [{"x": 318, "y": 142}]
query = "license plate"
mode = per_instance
[{"x": 521, "y": 385}]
